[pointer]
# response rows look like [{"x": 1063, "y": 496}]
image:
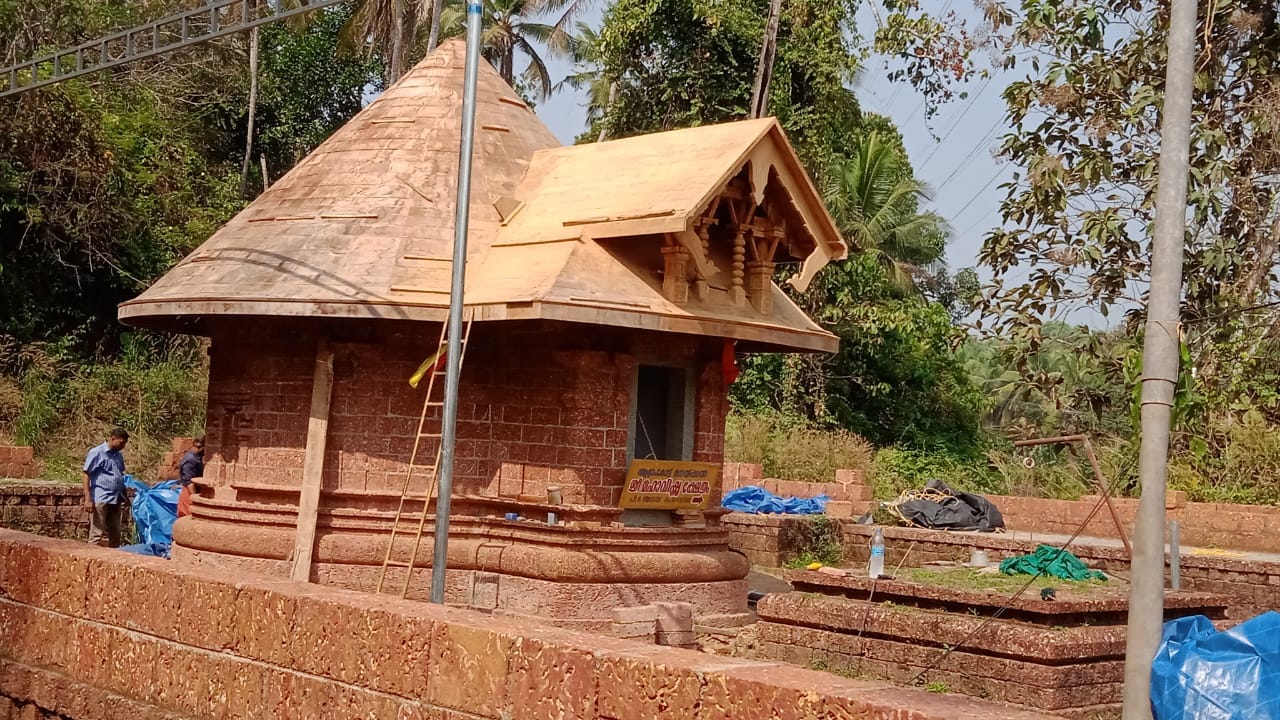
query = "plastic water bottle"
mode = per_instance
[{"x": 876, "y": 567}]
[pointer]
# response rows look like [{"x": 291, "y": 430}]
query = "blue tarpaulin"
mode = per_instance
[
  {"x": 754, "y": 499},
  {"x": 155, "y": 508},
  {"x": 150, "y": 549},
  {"x": 1202, "y": 674}
]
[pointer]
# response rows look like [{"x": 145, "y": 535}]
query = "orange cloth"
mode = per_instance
[
  {"x": 184, "y": 502},
  {"x": 727, "y": 363}
]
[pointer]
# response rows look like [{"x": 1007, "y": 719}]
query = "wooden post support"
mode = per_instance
[{"x": 313, "y": 463}]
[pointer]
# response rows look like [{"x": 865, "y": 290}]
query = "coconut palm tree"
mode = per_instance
[
  {"x": 386, "y": 26},
  {"x": 588, "y": 73},
  {"x": 508, "y": 27},
  {"x": 876, "y": 203}
]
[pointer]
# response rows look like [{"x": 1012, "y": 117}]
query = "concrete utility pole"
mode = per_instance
[
  {"x": 453, "y": 357},
  {"x": 764, "y": 68},
  {"x": 1160, "y": 354}
]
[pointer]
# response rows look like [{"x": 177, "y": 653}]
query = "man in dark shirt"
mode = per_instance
[{"x": 192, "y": 465}]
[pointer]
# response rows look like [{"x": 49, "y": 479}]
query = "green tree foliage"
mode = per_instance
[
  {"x": 1070, "y": 380},
  {"x": 1079, "y": 212},
  {"x": 1086, "y": 140},
  {"x": 307, "y": 89},
  {"x": 99, "y": 193},
  {"x": 107, "y": 181},
  {"x": 678, "y": 63},
  {"x": 895, "y": 378}
]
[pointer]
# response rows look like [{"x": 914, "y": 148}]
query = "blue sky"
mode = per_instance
[{"x": 952, "y": 152}]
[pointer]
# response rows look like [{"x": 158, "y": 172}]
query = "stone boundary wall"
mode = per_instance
[
  {"x": 1239, "y": 527},
  {"x": 1252, "y": 585},
  {"x": 88, "y": 633},
  {"x": 45, "y": 508},
  {"x": 19, "y": 462}
]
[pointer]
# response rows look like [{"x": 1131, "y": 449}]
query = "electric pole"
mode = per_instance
[
  {"x": 1160, "y": 355},
  {"x": 764, "y": 68},
  {"x": 453, "y": 356}
]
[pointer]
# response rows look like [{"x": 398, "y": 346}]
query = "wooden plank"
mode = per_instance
[{"x": 313, "y": 463}]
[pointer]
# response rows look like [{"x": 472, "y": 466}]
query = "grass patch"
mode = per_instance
[
  {"x": 967, "y": 579},
  {"x": 63, "y": 404},
  {"x": 816, "y": 538},
  {"x": 791, "y": 449}
]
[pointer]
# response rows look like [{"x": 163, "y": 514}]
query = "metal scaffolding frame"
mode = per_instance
[{"x": 216, "y": 19}]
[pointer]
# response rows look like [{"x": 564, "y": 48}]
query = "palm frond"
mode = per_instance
[
  {"x": 537, "y": 72},
  {"x": 538, "y": 32},
  {"x": 572, "y": 9}
]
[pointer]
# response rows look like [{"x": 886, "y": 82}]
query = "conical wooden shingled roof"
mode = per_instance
[
  {"x": 370, "y": 207},
  {"x": 363, "y": 227}
]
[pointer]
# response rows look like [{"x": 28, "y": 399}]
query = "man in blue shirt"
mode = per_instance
[
  {"x": 104, "y": 489},
  {"x": 192, "y": 465}
]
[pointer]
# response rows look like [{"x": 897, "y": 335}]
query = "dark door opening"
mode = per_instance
[{"x": 661, "y": 414}]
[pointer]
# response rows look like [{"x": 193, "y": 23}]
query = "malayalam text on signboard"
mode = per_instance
[{"x": 670, "y": 485}]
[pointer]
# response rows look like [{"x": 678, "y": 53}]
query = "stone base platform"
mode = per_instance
[
  {"x": 1064, "y": 656},
  {"x": 572, "y": 574}
]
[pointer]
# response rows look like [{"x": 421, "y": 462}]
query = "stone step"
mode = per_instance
[
  {"x": 1047, "y": 687},
  {"x": 1002, "y": 638},
  {"x": 1098, "y": 606}
]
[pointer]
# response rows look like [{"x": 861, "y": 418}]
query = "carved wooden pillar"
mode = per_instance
[
  {"x": 701, "y": 289},
  {"x": 675, "y": 274},
  {"x": 760, "y": 286},
  {"x": 737, "y": 290}
]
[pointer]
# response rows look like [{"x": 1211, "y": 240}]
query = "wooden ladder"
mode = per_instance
[{"x": 403, "y": 523}]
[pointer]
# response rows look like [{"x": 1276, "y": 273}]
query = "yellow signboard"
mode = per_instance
[{"x": 670, "y": 485}]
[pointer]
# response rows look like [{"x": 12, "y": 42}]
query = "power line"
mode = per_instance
[
  {"x": 978, "y": 222},
  {"x": 973, "y": 100},
  {"x": 977, "y": 146},
  {"x": 981, "y": 190}
]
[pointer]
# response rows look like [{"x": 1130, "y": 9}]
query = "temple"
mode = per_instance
[{"x": 607, "y": 285}]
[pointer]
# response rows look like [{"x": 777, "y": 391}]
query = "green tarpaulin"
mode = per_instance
[{"x": 1048, "y": 560}]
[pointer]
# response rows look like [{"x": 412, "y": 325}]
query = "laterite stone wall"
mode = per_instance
[
  {"x": 539, "y": 405},
  {"x": 45, "y": 508},
  {"x": 88, "y": 633}
]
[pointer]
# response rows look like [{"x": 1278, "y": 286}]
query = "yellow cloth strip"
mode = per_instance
[{"x": 428, "y": 365}]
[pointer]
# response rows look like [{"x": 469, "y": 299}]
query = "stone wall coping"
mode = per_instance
[
  {"x": 39, "y": 487},
  {"x": 1069, "y": 601},
  {"x": 201, "y": 619}
]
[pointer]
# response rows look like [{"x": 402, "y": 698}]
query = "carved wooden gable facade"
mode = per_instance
[{"x": 718, "y": 207}]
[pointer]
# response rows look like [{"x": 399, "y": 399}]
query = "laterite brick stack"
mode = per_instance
[
  {"x": 847, "y": 485},
  {"x": 168, "y": 467},
  {"x": 19, "y": 462},
  {"x": 1065, "y": 657}
]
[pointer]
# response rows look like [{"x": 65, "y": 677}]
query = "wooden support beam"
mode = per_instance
[{"x": 313, "y": 463}]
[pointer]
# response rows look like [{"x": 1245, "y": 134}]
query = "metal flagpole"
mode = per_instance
[
  {"x": 1160, "y": 364},
  {"x": 453, "y": 356}
]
